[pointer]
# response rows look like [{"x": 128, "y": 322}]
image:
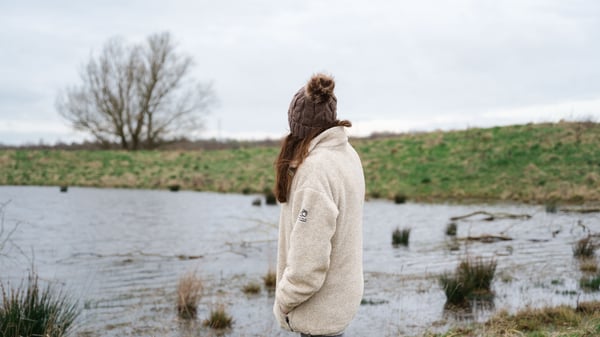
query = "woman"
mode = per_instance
[{"x": 320, "y": 183}]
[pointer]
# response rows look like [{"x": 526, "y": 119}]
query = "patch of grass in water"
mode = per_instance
[
  {"x": 189, "y": 291},
  {"x": 218, "y": 319},
  {"x": 591, "y": 283},
  {"x": 584, "y": 248},
  {"x": 471, "y": 280},
  {"x": 35, "y": 311},
  {"x": 400, "y": 237}
]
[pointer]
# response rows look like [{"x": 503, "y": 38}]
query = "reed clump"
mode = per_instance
[
  {"x": 251, "y": 288},
  {"x": 400, "y": 236},
  {"x": 270, "y": 280},
  {"x": 471, "y": 280},
  {"x": 400, "y": 198},
  {"x": 584, "y": 248},
  {"x": 33, "y": 311},
  {"x": 588, "y": 265},
  {"x": 270, "y": 198},
  {"x": 451, "y": 229},
  {"x": 218, "y": 319},
  {"x": 591, "y": 283},
  {"x": 189, "y": 292}
]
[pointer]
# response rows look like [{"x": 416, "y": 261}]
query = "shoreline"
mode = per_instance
[{"x": 544, "y": 164}]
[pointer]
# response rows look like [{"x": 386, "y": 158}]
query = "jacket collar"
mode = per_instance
[
  {"x": 331, "y": 137},
  {"x": 334, "y": 136}
]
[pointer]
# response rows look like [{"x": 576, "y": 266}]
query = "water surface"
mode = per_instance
[{"x": 121, "y": 253}]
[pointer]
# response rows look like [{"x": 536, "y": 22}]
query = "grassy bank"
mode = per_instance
[
  {"x": 582, "y": 321},
  {"x": 532, "y": 163}
]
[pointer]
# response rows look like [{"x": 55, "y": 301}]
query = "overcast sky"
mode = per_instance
[{"x": 399, "y": 65}]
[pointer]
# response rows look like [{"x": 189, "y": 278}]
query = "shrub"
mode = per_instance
[
  {"x": 189, "y": 291},
  {"x": 584, "y": 248},
  {"x": 400, "y": 236},
  {"x": 219, "y": 319},
  {"x": 32, "y": 311}
]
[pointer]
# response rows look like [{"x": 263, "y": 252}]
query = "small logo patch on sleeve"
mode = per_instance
[{"x": 302, "y": 216}]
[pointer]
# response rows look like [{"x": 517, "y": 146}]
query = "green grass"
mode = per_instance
[
  {"x": 591, "y": 283},
  {"x": 538, "y": 163},
  {"x": 32, "y": 311}
]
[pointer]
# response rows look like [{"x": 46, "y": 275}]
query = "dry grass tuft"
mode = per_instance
[
  {"x": 588, "y": 307},
  {"x": 584, "y": 248},
  {"x": 270, "y": 280},
  {"x": 189, "y": 292},
  {"x": 588, "y": 265},
  {"x": 251, "y": 288},
  {"x": 583, "y": 321},
  {"x": 219, "y": 319}
]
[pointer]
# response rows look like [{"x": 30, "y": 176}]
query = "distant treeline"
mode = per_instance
[{"x": 178, "y": 144}]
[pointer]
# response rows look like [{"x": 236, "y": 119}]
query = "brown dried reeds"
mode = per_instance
[
  {"x": 189, "y": 292},
  {"x": 270, "y": 279},
  {"x": 251, "y": 288},
  {"x": 219, "y": 319}
]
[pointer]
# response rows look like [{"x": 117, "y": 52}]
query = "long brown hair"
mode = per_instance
[{"x": 295, "y": 150}]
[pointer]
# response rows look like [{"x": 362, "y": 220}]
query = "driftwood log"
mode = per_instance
[
  {"x": 492, "y": 216},
  {"x": 486, "y": 238},
  {"x": 580, "y": 210}
]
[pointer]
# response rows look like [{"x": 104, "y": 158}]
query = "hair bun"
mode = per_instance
[{"x": 319, "y": 88}]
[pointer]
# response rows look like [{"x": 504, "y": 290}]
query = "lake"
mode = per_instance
[{"x": 121, "y": 252}]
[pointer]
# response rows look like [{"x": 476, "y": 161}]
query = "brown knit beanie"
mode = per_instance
[{"x": 313, "y": 106}]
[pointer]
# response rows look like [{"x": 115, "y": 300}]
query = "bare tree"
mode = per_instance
[{"x": 139, "y": 95}]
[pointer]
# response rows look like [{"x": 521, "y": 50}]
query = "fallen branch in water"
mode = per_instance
[
  {"x": 580, "y": 210},
  {"x": 486, "y": 238},
  {"x": 492, "y": 216}
]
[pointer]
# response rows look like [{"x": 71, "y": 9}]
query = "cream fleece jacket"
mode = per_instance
[{"x": 319, "y": 262}]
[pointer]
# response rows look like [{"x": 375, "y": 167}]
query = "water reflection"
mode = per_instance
[{"x": 471, "y": 310}]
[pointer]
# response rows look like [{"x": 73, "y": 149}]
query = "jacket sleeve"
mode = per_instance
[{"x": 309, "y": 248}]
